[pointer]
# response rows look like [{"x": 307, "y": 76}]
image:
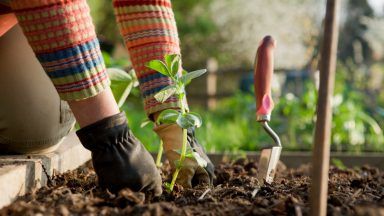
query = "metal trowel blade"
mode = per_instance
[{"x": 269, "y": 158}]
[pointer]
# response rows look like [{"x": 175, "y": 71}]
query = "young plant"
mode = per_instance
[{"x": 171, "y": 67}]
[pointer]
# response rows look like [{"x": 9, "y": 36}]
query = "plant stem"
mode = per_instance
[
  {"x": 174, "y": 177},
  {"x": 183, "y": 147},
  {"x": 159, "y": 154},
  {"x": 182, "y": 158}
]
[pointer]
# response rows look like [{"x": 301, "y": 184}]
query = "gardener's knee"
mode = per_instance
[{"x": 32, "y": 117}]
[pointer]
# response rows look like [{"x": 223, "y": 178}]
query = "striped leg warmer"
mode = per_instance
[
  {"x": 62, "y": 35},
  {"x": 149, "y": 31}
]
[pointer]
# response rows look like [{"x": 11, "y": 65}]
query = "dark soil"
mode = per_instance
[{"x": 358, "y": 191}]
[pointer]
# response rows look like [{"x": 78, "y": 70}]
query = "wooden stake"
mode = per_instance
[
  {"x": 212, "y": 67},
  {"x": 321, "y": 151}
]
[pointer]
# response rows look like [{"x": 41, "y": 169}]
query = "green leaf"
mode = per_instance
[
  {"x": 189, "y": 155},
  {"x": 165, "y": 93},
  {"x": 168, "y": 186},
  {"x": 169, "y": 59},
  {"x": 173, "y": 62},
  {"x": 196, "y": 118},
  {"x": 189, "y": 120},
  {"x": 200, "y": 160},
  {"x": 175, "y": 66},
  {"x": 185, "y": 122},
  {"x": 189, "y": 152},
  {"x": 145, "y": 123},
  {"x": 158, "y": 66},
  {"x": 192, "y": 75},
  {"x": 168, "y": 116}
]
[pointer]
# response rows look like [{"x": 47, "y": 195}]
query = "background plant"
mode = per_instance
[{"x": 122, "y": 83}]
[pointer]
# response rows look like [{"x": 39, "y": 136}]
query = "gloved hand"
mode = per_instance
[
  {"x": 119, "y": 159},
  {"x": 191, "y": 173}
]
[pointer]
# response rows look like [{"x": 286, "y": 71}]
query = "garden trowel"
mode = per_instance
[{"x": 263, "y": 72}]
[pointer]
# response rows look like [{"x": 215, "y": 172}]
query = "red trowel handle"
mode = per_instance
[{"x": 263, "y": 77}]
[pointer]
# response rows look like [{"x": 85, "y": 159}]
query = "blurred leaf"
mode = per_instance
[
  {"x": 192, "y": 75},
  {"x": 380, "y": 111},
  {"x": 184, "y": 72},
  {"x": 338, "y": 163},
  {"x": 107, "y": 59},
  {"x": 145, "y": 123},
  {"x": 371, "y": 122},
  {"x": 121, "y": 84},
  {"x": 165, "y": 93},
  {"x": 119, "y": 75}
]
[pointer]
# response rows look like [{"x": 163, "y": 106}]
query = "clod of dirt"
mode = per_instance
[{"x": 351, "y": 192}]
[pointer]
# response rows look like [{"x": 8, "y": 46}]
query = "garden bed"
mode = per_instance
[{"x": 358, "y": 191}]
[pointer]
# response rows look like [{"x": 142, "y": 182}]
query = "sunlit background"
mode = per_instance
[{"x": 222, "y": 35}]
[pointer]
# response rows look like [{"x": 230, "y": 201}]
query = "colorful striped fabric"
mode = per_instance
[
  {"x": 149, "y": 31},
  {"x": 63, "y": 37}
]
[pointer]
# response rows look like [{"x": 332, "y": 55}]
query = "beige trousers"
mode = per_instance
[{"x": 33, "y": 119}]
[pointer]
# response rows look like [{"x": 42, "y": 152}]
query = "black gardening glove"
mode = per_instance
[
  {"x": 210, "y": 168},
  {"x": 119, "y": 159}
]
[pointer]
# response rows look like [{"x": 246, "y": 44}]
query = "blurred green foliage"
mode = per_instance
[
  {"x": 354, "y": 45},
  {"x": 232, "y": 127},
  {"x": 198, "y": 32},
  {"x": 358, "y": 104},
  {"x": 104, "y": 20}
]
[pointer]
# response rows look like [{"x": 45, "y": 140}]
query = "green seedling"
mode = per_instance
[{"x": 171, "y": 67}]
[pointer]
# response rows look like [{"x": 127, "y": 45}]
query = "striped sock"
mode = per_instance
[
  {"x": 62, "y": 35},
  {"x": 149, "y": 31}
]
